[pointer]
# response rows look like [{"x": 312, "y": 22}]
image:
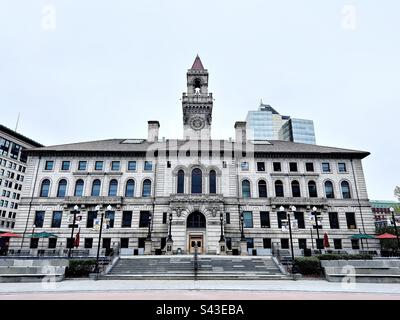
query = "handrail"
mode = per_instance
[{"x": 195, "y": 262}]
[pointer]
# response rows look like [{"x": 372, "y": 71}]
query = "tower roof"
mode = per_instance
[{"x": 197, "y": 65}]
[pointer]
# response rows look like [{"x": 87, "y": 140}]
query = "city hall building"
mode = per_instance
[{"x": 158, "y": 194}]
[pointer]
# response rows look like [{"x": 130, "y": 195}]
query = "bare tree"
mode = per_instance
[{"x": 397, "y": 192}]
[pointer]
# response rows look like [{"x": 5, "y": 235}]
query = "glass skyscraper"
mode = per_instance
[{"x": 267, "y": 124}]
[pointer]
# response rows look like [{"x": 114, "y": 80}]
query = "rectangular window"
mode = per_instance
[
  {"x": 319, "y": 243},
  {"x": 302, "y": 243},
  {"x": 126, "y": 219},
  {"x": 34, "y": 243},
  {"x": 39, "y": 219},
  {"x": 65, "y": 165},
  {"x": 293, "y": 166},
  {"x": 351, "y": 220},
  {"x": 110, "y": 216},
  {"x": 250, "y": 243},
  {"x": 82, "y": 165},
  {"x": 115, "y": 165},
  {"x": 90, "y": 218},
  {"x": 164, "y": 218},
  {"x": 52, "y": 243},
  {"x": 163, "y": 243},
  {"x": 337, "y": 243},
  {"x": 281, "y": 216},
  {"x": 333, "y": 220},
  {"x": 355, "y": 244},
  {"x": 124, "y": 243},
  {"x": 266, "y": 243},
  {"x": 264, "y": 219},
  {"x": 326, "y": 167},
  {"x": 141, "y": 242},
  {"x": 260, "y": 166},
  {"x": 277, "y": 166},
  {"x": 88, "y": 243},
  {"x": 106, "y": 243},
  {"x": 148, "y": 166},
  {"x": 144, "y": 219},
  {"x": 98, "y": 165},
  {"x": 228, "y": 218},
  {"x": 49, "y": 165},
  {"x": 342, "y": 167},
  {"x": 70, "y": 243},
  {"x": 299, "y": 216},
  {"x": 56, "y": 220},
  {"x": 309, "y": 167},
  {"x": 244, "y": 166},
  {"x": 285, "y": 243},
  {"x": 132, "y": 165},
  {"x": 247, "y": 219}
]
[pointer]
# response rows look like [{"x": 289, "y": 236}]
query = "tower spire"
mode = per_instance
[{"x": 197, "y": 65}]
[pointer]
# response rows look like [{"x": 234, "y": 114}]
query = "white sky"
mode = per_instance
[{"x": 100, "y": 69}]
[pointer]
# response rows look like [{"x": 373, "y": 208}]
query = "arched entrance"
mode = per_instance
[{"x": 196, "y": 227}]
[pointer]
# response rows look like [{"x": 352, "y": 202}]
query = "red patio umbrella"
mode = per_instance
[
  {"x": 326, "y": 241},
  {"x": 10, "y": 235},
  {"x": 386, "y": 236},
  {"x": 77, "y": 238}
]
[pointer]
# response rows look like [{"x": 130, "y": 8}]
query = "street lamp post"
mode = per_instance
[
  {"x": 221, "y": 218},
  {"x": 97, "y": 209},
  {"x": 316, "y": 226},
  {"x": 74, "y": 212},
  {"x": 395, "y": 227},
  {"x": 170, "y": 224},
  {"x": 149, "y": 231},
  {"x": 242, "y": 238},
  {"x": 293, "y": 209}
]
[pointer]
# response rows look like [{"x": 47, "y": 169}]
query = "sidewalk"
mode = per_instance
[{"x": 189, "y": 289}]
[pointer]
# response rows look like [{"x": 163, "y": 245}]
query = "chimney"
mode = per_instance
[
  {"x": 240, "y": 131},
  {"x": 153, "y": 127}
]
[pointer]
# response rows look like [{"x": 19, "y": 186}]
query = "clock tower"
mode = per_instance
[{"x": 197, "y": 103}]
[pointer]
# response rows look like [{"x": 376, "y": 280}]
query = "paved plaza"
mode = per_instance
[{"x": 207, "y": 290}]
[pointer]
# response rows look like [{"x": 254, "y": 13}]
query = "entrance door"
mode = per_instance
[{"x": 195, "y": 240}]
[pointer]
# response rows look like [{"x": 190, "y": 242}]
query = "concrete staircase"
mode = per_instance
[{"x": 182, "y": 267}]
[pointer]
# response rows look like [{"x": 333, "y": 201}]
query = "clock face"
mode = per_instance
[{"x": 197, "y": 123}]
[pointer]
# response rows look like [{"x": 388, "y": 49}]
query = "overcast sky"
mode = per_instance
[{"x": 88, "y": 70}]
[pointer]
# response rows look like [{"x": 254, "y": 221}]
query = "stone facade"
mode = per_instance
[{"x": 196, "y": 183}]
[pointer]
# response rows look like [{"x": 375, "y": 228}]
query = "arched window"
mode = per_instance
[
  {"x": 262, "y": 189},
  {"x": 279, "y": 189},
  {"x": 146, "y": 191},
  {"x": 62, "y": 188},
  {"x": 130, "y": 188},
  {"x": 345, "y": 190},
  {"x": 45, "y": 188},
  {"x": 197, "y": 181},
  {"x": 329, "y": 190},
  {"x": 196, "y": 220},
  {"x": 296, "y": 189},
  {"x": 79, "y": 188},
  {"x": 312, "y": 189},
  {"x": 246, "y": 189},
  {"x": 112, "y": 190},
  {"x": 181, "y": 182},
  {"x": 96, "y": 188},
  {"x": 213, "y": 181}
]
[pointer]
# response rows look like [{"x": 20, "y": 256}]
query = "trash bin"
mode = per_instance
[
  {"x": 254, "y": 252},
  {"x": 235, "y": 252},
  {"x": 135, "y": 252}
]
